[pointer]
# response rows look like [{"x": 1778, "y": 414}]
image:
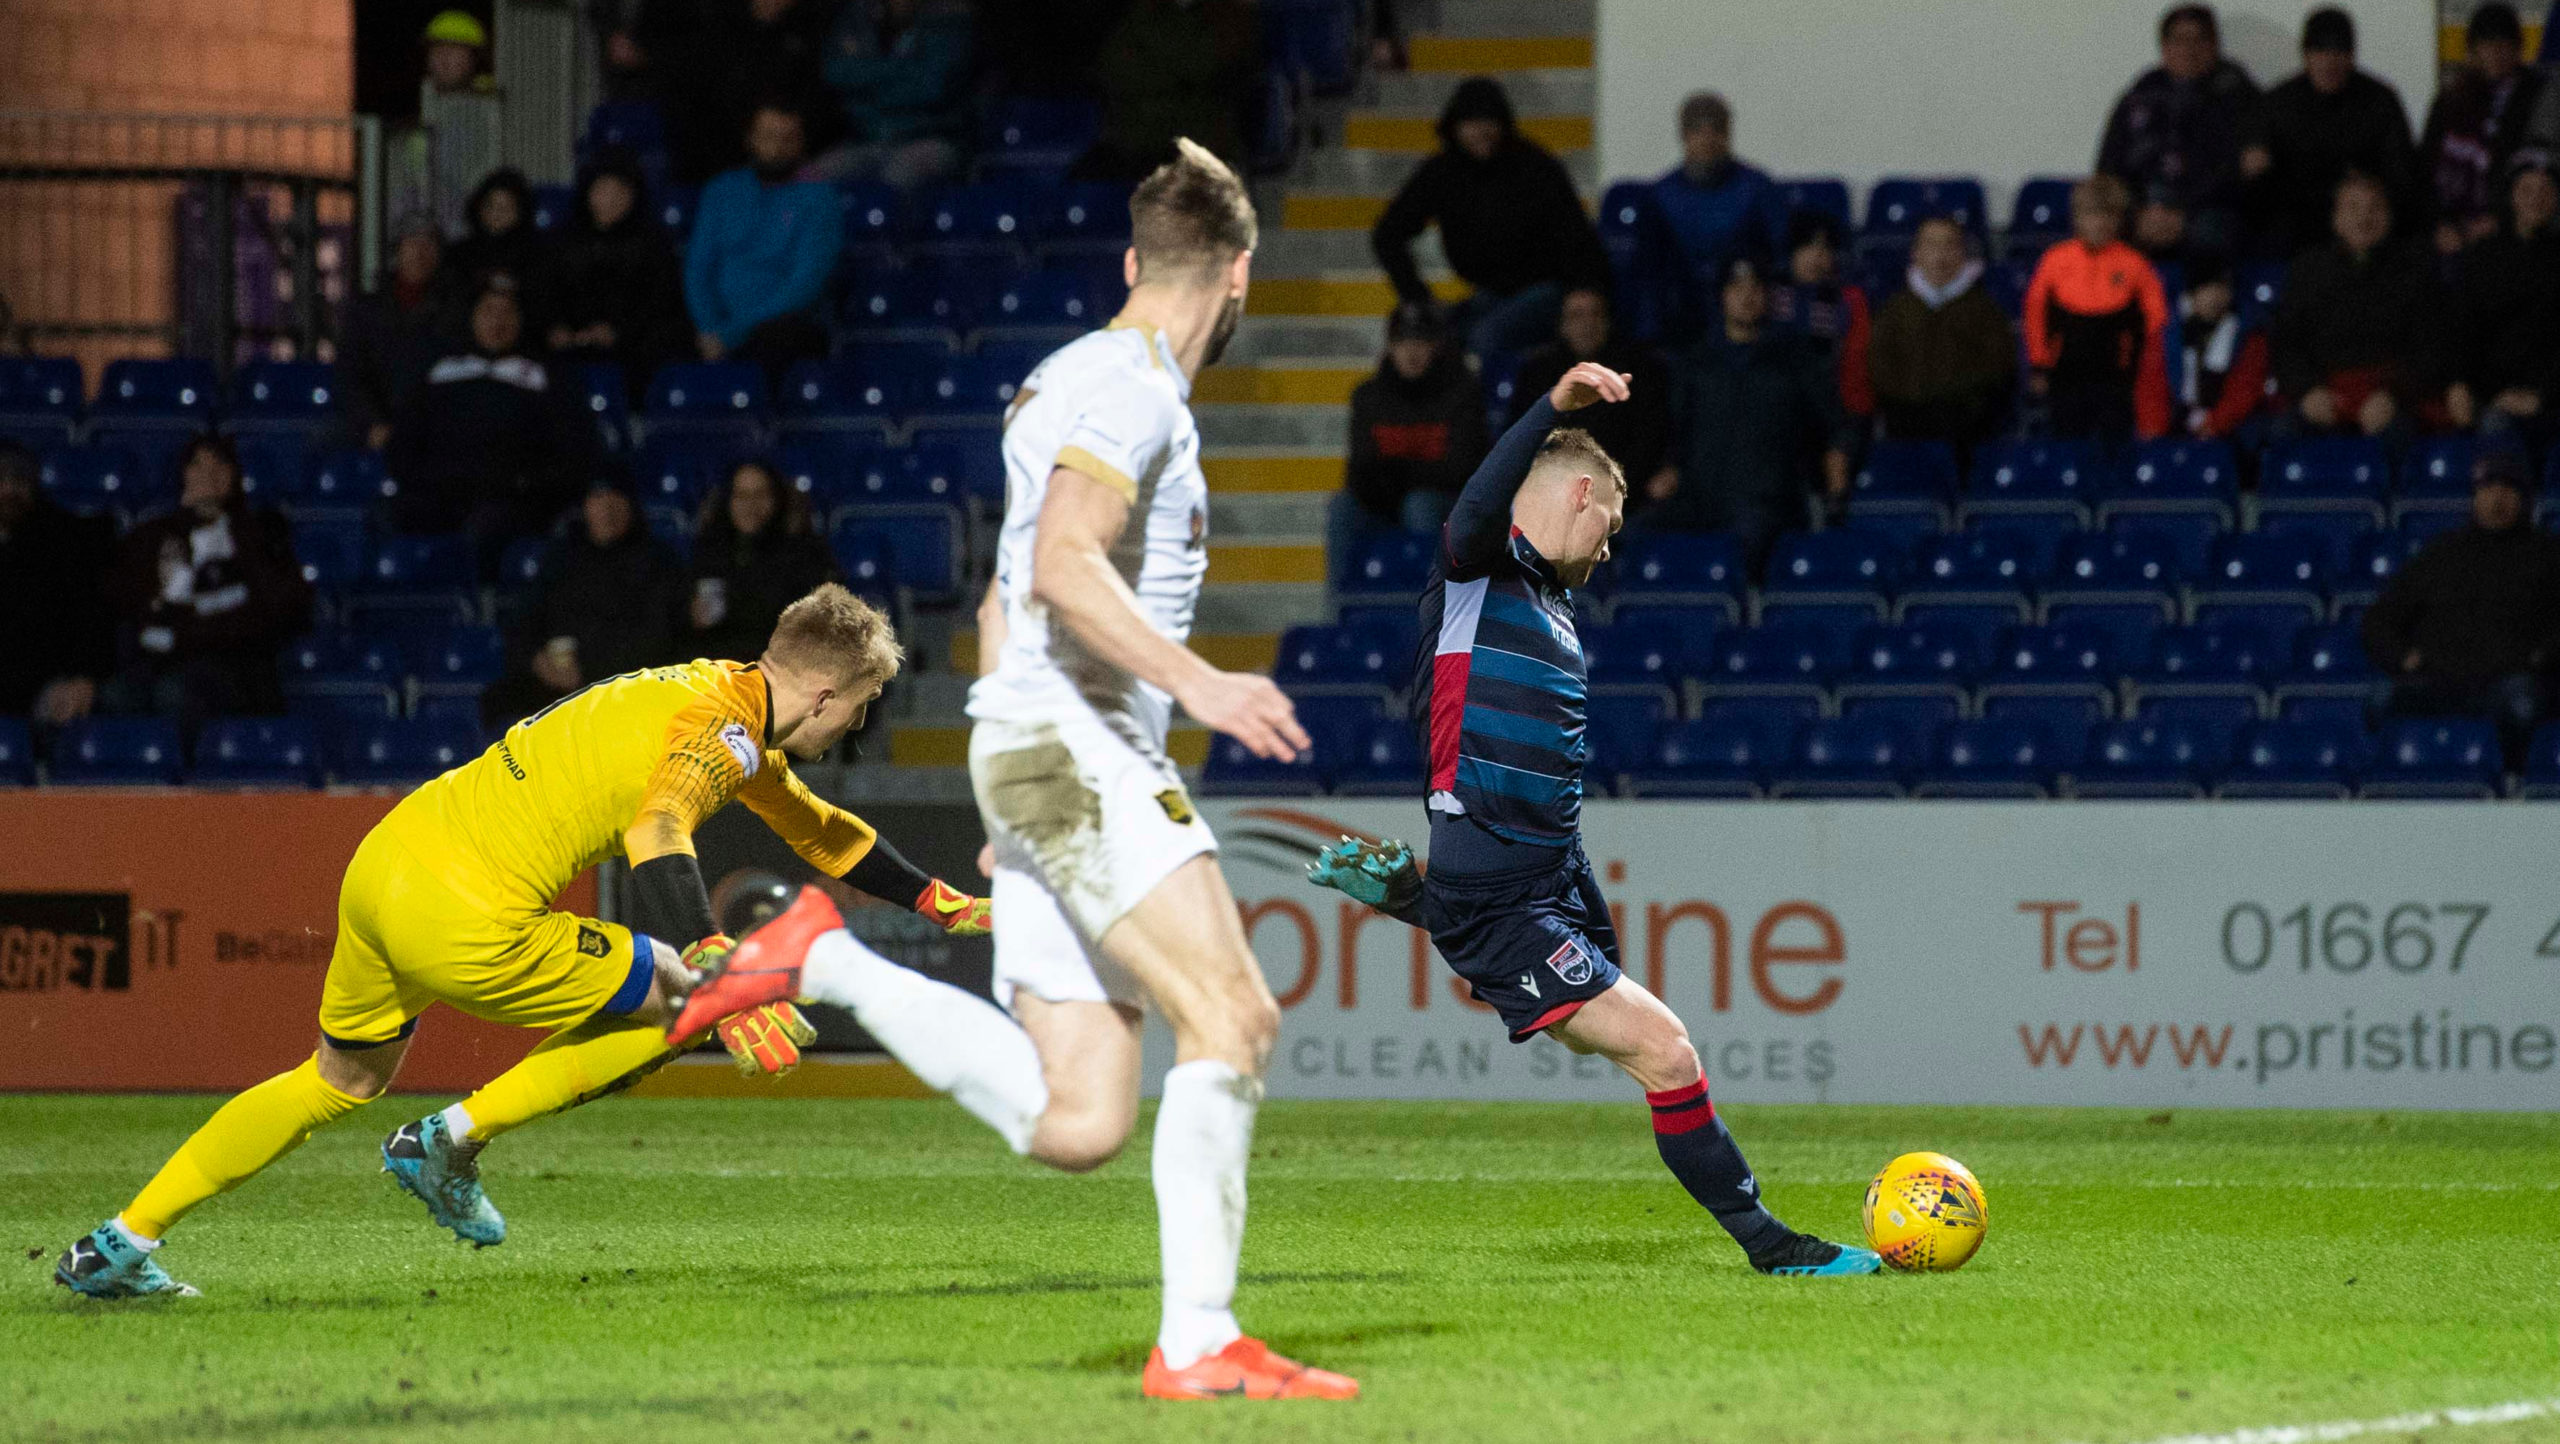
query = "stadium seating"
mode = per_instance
[
  {"x": 1987, "y": 757},
  {"x": 1776, "y": 662},
  {"x": 179, "y": 391},
  {"x": 1836, "y": 567},
  {"x": 100, "y": 480},
  {"x": 289, "y": 395},
  {"x": 1623, "y": 728},
  {"x": 1701, "y": 571},
  {"x": 2040, "y": 217},
  {"x": 117, "y": 752},
  {"x": 1233, "y": 771},
  {"x": 257, "y": 752},
  {"x": 2146, "y": 758},
  {"x": 2061, "y": 479},
  {"x": 719, "y": 397},
  {"x": 1384, "y": 759},
  {"x": 2541, "y": 779},
  {"x": 17, "y": 753},
  {"x": 2434, "y": 758},
  {"x": 2266, "y": 569},
  {"x": 1848, "y": 757},
  {"x": 2282, "y": 760},
  {"x": 1710, "y": 757},
  {"x": 1914, "y": 659},
  {"x": 1898, "y": 204},
  {"x": 1391, "y": 566},
  {"x": 403, "y": 750}
]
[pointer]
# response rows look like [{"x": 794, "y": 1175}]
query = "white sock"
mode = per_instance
[
  {"x": 957, "y": 1042},
  {"x": 137, "y": 1240},
  {"x": 457, "y": 1122},
  {"x": 1204, "y": 1130}
]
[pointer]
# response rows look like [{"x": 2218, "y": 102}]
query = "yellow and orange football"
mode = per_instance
[{"x": 1924, "y": 1213}]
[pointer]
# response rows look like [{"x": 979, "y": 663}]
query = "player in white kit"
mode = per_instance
[{"x": 1107, "y": 894}]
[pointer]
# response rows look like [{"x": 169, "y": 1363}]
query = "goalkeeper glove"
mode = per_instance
[
  {"x": 708, "y": 956},
  {"x": 957, "y": 913},
  {"x": 766, "y": 1040}
]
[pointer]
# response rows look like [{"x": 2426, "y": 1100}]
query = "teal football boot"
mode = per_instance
[
  {"x": 1804, "y": 1256},
  {"x": 428, "y": 1163},
  {"x": 108, "y": 1265}
]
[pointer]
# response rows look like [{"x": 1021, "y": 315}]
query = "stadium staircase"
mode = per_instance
[{"x": 1274, "y": 417}]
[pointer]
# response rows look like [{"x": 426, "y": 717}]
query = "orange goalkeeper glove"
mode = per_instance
[
  {"x": 766, "y": 1040},
  {"x": 954, "y": 911}
]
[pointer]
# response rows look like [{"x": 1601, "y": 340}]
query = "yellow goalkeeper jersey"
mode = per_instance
[{"x": 558, "y": 793}]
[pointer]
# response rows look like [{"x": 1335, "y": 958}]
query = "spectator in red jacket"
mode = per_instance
[
  {"x": 2095, "y": 317},
  {"x": 2223, "y": 379},
  {"x": 1831, "y": 313},
  {"x": 1417, "y": 432}
]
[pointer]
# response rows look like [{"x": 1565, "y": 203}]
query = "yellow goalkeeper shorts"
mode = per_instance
[{"x": 406, "y": 939}]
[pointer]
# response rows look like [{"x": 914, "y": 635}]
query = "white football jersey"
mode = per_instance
[{"x": 1112, "y": 405}]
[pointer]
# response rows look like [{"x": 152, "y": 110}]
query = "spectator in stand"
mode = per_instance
[
  {"x": 900, "y": 73},
  {"x": 764, "y": 246},
  {"x": 388, "y": 338},
  {"x": 459, "y": 106},
  {"x": 1173, "y": 68},
  {"x": 2222, "y": 383},
  {"x": 621, "y": 289},
  {"x": 1752, "y": 407},
  {"x": 53, "y": 606},
  {"x": 2357, "y": 340},
  {"x": 2507, "y": 318},
  {"x": 504, "y": 243},
  {"x": 1417, "y": 432},
  {"x": 2471, "y": 627},
  {"x": 754, "y": 553},
  {"x": 1943, "y": 360},
  {"x": 489, "y": 446},
  {"x": 1716, "y": 206},
  {"x": 2095, "y": 315},
  {"x": 1831, "y": 313},
  {"x": 773, "y": 49},
  {"x": 1636, "y": 431},
  {"x": 206, "y": 593},
  {"x": 2314, "y": 128},
  {"x": 612, "y": 601},
  {"x": 1510, "y": 221},
  {"x": 2475, "y": 127},
  {"x": 2174, "y": 140}
]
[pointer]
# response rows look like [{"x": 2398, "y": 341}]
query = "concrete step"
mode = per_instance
[
  {"x": 1250, "y": 472},
  {"x": 1279, "y": 384},
  {"x": 1379, "y": 172},
  {"x": 1338, "y": 295},
  {"x": 931, "y": 696},
  {"x": 1343, "y": 339},
  {"x": 1255, "y": 562},
  {"x": 1238, "y": 651},
  {"x": 1512, "y": 17},
  {"x": 1417, "y": 133},
  {"x": 1268, "y": 516},
  {"x": 1292, "y": 428},
  {"x": 1337, "y": 239},
  {"x": 1532, "y": 92},
  {"x": 1482, "y": 54},
  {"x": 1269, "y": 606}
]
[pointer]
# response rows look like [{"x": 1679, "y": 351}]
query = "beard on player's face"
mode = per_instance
[{"x": 1230, "y": 316}]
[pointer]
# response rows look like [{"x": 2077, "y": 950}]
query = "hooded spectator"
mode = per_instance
[
  {"x": 1830, "y": 312},
  {"x": 900, "y": 73},
  {"x": 2471, "y": 627},
  {"x": 2222, "y": 381},
  {"x": 53, "y": 600},
  {"x": 611, "y": 601},
  {"x": 2095, "y": 316},
  {"x": 1173, "y": 68},
  {"x": 1943, "y": 360},
  {"x": 1753, "y": 407},
  {"x": 764, "y": 246},
  {"x": 2314, "y": 128},
  {"x": 773, "y": 50},
  {"x": 2507, "y": 316},
  {"x": 490, "y": 445},
  {"x": 1417, "y": 432},
  {"x": 504, "y": 242},
  {"x": 2475, "y": 127},
  {"x": 2174, "y": 139},
  {"x": 755, "y": 553},
  {"x": 1510, "y": 222},
  {"x": 388, "y": 337},
  {"x": 1636, "y": 431},
  {"x": 2358, "y": 341},
  {"x": 621, "y": 290},
  {"x": 1715, "y": 207},
  {"x": 207, "y": 592}
]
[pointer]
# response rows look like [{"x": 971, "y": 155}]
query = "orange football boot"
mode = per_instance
[
  {"x": 1245, "y": 1369},
  {"x": 763, "y": 968}
]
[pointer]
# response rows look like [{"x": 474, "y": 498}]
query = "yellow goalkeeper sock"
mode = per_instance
[
  {"x": 575, "y": 1065},
  {"x": 242, "y": 1137}
]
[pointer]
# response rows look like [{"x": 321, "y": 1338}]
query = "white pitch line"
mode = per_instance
[{"x": 2400, "y": 1424}]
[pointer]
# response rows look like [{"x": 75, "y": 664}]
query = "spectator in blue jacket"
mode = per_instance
[
  {"x": 900, "y": 69},
  {"x": 1717, "y": 207},
  {"x": 764, "y": 244}
]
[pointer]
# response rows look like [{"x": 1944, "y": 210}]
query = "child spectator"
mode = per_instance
[
  {"x": 1417, "y": 432},
  {"x": 2223, "y": 379},
  {"x": 1831, "y": 314},
  {"x": 2507, "y": 316},
  {"x": 621, "y": 291},
  {"x": 2095, "y": 315},
  {"x": 1944, "y": 361},
  {"x": 755, "y": 553}
]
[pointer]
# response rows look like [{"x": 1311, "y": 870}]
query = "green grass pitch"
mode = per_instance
[{"x": 884, "y": 1271}]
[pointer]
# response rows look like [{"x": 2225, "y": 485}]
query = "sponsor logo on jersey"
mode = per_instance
[
  {"x": 593, "y": 942},
  {"x": 741, "y": 746},
  {"x": 1176, "y": 806},
  {"x": 1572, "y": 962}
]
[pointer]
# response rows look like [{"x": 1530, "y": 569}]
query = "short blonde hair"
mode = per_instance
[
  {"x": 1190, "y": 215},
  {"x": 835, "y": 633},
  {"x": 1570, "y": 448}
]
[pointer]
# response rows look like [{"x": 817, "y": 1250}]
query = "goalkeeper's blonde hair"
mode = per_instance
[{"x": 834, "y": 633}]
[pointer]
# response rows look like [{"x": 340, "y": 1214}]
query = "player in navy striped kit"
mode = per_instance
[{"x": 1510, "y": 900}]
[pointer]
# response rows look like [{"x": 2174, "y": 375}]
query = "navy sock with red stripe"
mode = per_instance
[{"x": 1701, "y": 1153}]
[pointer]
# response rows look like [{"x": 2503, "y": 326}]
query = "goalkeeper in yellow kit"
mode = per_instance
[{"x": 447, "y": 900}]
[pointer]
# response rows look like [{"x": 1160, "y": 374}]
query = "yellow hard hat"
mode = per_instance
[{"x": 457, "y": 27}]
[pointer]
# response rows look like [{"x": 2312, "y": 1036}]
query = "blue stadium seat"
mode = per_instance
[
  {"x": 1914, "y": 659},
  {"x": 2229, "y": 713},
  {"x": 2266, "y": 568},
  {"x": 1623, "y": 729},
  {"x": 1384, "y": 760},
  {"x": 1776, "y": 661},
  {"x": 2177, "y": 476},
  {"x": 40, "y": 398},
  {"x": 606, "y": 397},
  {"x": 1987, "y": 757},
  {"x": 972, "y": 391},
  {"x": 552, "y": 206},
  {"x": 678, "y": 471},
  {"x": 1035, "y": 133},
  {"x": 2373, "y": 560},
  {"x": 919, "y": 307},
  {"x": 2188, "y": 535},
  {"x": 403, "y": 750},
  {"x": 1898, "y": 204},
  {"x": 1978, "y": 623},
  {"x": 2064, "y": 720},
  {"x": 17, "y": 753},
  {"x": 2137, "y": 758},
  {"x": 625, "y": 124},
  {"x": 418, "y": 579},
  {"x": 2435, "y": 477},
  {"x": 2051, "y": 661},
  {"x": 829, "y": 468},
  {"x": 1086, "y": 217},
  {"x": 332, "y": 553},
  {"x": 99, "y": 481},
  {"x": 676, "y": 207},
  {"x": 1054, "y": 305},
  {"x": 922, "y": 546},
  {"x": 1836, "y": 623},
  {"x": 2051, "y": 478},
  {"x": 294, "y": 394},
  {"x": 989, "y": 218},
  {"x": 2129, "y": 626},
  {"x": 116, "y": 752},
  {"x": 1710, "y": 757},
  {"x": 974, "y": 458},
  {"x": 904, "y": 476},
  {"x": 179, "y": 390},
  {"x": 273, "y": 468},
  {"x": 1233, "y": 771},
  {"x": 1916, "y": 716},
  {"x": 1334, "y": 655},
  {"x": 2041, "y": 216},
  {"x": 1819, "y": 195},
  {"x": 874, "y": 214},
  {"x": 2325, "y": 473},
  {"x": 2328, "y": 661},
  {"x": 1387, "y": 564},
  {"x": 257, "y": 752},
  {"x": 727, "y": 397},
  {"x": 859, "y": 394},
  {"x": 347, "y": 481},
  {"x": 1635, "y": 239},
  {"x": 1900, "y": 531},
  {"x": 1849, "y": 757},
  {"x": 524, "y": 564},
  {"x": 1645, "y": 654},
  {"x": 2338, "y": 535},
  {"x": 1834, "y": 567},
  {"x": 2227, "y": 661},
  {"x": 1905, "y": 475},
  {"x": 2110, "y": 568},
  {"x": 2541, "y": 778},
  {"x": 2292, "y": 759},
  {"x": 1700, "y": 570},
  {"x": 2261, "y": 286},
  {"x": 2434, "y": 757},
  {"x": 455, "y": 661}
]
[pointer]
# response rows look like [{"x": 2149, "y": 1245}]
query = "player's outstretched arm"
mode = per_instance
[
  {"x": 1072, "y": 574},
  {"x": 1480, "y": 519}
]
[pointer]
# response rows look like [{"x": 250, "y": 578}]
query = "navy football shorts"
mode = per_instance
[{"x": 1536, "y": 946}]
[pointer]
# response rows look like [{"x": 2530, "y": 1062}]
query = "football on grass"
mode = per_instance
[{"x": 1924, "y": 1213}]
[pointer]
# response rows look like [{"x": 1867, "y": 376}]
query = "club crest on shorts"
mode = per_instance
[
  {"x": 1176, "y": 806},
  {"x": 1572, "y": 962},
  {"x": 593, "y": 942}
]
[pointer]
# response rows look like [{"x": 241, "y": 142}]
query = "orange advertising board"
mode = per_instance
[{"x": 176, "y": 940}]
